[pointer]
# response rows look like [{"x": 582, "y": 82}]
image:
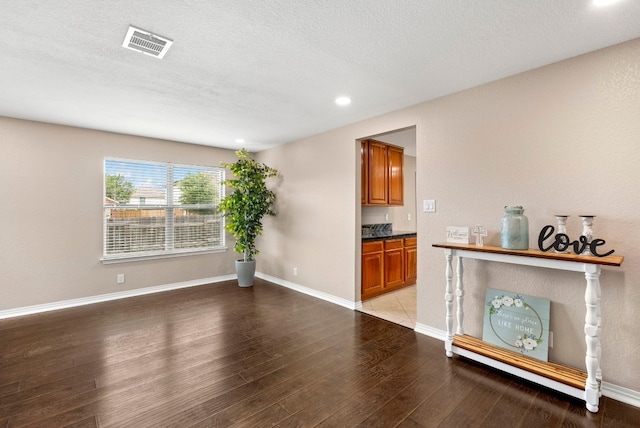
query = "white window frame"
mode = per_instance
[{"x": 169, "y": 244}]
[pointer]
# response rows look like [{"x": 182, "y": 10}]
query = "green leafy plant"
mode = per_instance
[{"x": 249, "y": 202}]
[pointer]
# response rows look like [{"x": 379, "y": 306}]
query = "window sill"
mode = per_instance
[{"x": 126, "y": 259}]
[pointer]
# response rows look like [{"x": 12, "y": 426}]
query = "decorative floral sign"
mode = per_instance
[{"x": 517, "y": 322}]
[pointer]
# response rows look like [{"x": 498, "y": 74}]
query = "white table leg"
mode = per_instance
[
  {"x": 448, "y": 298},
  {"x": 460, "y": 297},
  {"x": 592, "y": 338},
  {"x": 599, "y": 350}
]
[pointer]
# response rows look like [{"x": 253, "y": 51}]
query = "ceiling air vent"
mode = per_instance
[{"x": 144, "y": 41}]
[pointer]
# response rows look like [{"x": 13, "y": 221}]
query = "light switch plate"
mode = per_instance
[{"x": 429, "y": 205}]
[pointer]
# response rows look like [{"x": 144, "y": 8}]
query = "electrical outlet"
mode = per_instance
[
  {"x": 120, "y": 278},
  {"x": 295, "y": 271},
  {"x": 409, "y": 216}
]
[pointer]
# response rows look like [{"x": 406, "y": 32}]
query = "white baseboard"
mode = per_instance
[
  {"x": 54, "y": 306},
  {"x": 310, "y": 291},
  {"x": 620, "y": 393},
  {"x": 610, "y": 390},
  {"x": 430, "y": 331}
]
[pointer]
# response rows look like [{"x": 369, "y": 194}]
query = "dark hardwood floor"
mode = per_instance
[{"x": 223, "y": 356}]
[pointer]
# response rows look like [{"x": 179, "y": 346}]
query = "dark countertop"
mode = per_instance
[{"x": 396, "y": 234}]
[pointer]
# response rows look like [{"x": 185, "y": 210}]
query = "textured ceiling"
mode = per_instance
[{"x": 268, "y": 71}]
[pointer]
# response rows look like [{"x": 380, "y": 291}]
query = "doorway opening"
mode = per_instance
[{"x": 394, "y": 299}]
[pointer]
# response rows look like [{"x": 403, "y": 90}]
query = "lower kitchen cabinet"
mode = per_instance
[
  {"x": 388, "y": 265},
  {"x": 372, "y": 268},
  {"x": 410, "y": 260},
  {"x": 393, "y": 263}
]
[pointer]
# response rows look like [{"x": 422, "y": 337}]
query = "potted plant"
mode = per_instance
[{"x": 244, "y": 209}]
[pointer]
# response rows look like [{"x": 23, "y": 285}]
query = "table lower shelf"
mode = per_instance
[{"x": 557, "y": 376}]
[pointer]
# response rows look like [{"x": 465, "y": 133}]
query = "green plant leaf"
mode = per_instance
[{"x": 249, "y": 202}]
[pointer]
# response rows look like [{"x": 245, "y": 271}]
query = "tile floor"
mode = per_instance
[{"x": 398, "y": 306}]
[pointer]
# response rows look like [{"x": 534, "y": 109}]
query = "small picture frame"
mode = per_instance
[{"x": 457, "y": 235}]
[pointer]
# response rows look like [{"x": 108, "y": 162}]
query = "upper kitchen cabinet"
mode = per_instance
[
  {"x": 382, "y": 174},
  {"x": 396, "y": 175},
  {"x": 364, "y": 171},
  {"x": 378, "y": 173}
]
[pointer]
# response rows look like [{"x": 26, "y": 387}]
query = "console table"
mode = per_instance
[{"x": 568, "y": 380}]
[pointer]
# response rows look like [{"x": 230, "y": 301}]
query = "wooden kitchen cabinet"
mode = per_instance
[
  {"x": 410, "y": 260},
  {"x": 393, "y": 263},
  {"x": 364, "y": 171},
  {"x": 388, "y": 265},
  {"x": 378, "y": 173},
  {"x": 372, "y": 268},
  {"x": 382, "y": 174},
  {"x": 395, "y": 159}
]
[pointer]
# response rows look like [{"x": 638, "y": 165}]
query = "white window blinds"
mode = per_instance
[{"x": 154, "y": 209}]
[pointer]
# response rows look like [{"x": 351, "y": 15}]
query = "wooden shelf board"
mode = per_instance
[
  {"x": 557, "y": 372},
  {"x": 605, "y": 261}
]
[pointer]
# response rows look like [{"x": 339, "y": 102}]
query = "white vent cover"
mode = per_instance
[{"x": 144, "y": 41}]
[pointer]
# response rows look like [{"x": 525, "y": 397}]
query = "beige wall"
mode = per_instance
[
  {"x": 560, "y": 139},
  {"x": 51, "y": 190},
  {"x": 315, "y": 217},
  {"x": 317, "y": 229}
]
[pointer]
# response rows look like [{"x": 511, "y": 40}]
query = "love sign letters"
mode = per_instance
[{"x": 562, "y": 242}]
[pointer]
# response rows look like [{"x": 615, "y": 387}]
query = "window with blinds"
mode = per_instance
[{"x": 157, "y": 209}]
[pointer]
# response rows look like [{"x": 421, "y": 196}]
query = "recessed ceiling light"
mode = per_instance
[
  {"x": 603, "y": 3},
  {"x": 343, "y": 101},
  {"x": 240, "y": 140}
]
